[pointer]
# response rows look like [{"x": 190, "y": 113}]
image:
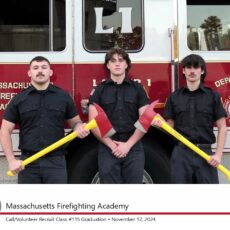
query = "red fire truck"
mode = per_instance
[{"x": 75, "y": 35}]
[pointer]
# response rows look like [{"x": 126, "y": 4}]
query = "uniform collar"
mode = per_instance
[
  {"x": 126, "y": 80},
  {"x": 200, "y": 88},
  {"x": 50, "y": 88}
]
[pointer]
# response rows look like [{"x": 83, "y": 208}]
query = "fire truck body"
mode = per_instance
[{"x": 75, "y": 35}]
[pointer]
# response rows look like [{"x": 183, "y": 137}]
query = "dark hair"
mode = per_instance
[
  {"x": 40, "y": 59},
  {"x": 120, "y": 52},
  {"x": 196, "y": 61}
]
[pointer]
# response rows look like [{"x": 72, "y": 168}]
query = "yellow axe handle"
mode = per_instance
[
  {"x": 90, "y": 125},
  {"x": 189, "y": 144}
]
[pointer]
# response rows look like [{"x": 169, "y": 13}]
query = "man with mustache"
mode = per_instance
[
  {"x": 40, "y": 111},
  {"x": 192, "y": 111}
]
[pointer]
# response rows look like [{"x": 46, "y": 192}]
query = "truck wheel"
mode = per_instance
[
  {"x": 82, "y": 166},
  {"x": 156, "y": 162},
  {"x": 146, "y": 178}
]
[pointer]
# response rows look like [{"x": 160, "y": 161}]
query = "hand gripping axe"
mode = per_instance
[
  {"x": 101, "y": 121},
  {"x": 149, "y": 115}
]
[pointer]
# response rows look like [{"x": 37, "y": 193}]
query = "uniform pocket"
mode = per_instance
[
  {"x": 56, "y": 112},
  {"x": 181, "y": 115},
  {"x": 204, "y": 116},
  {"x": 29, "y": 112},
  {"x": 131, "y": 107},
  {"x": 108, "y": 104}
]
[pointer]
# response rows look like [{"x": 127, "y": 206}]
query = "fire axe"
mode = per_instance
[
  {"x": 149, "y": 115},
  {"x": 101, "y": 121}
]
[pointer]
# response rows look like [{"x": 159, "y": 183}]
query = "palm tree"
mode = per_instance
[{"x": 212, "y": 26}]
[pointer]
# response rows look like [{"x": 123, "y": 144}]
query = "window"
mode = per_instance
[
  {"x": 27, "y": 25},
  {"x": 208, "y": 25},
  {"x": 113, "y": 23}
]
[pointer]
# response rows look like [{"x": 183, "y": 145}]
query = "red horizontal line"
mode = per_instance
[{"x": 115, "y": 213}]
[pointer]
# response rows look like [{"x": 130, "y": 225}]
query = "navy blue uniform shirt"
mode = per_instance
[
  {"x": 195, "y": 112},
  {"x": 121, "y": 103},
  {"x": 40, "y": 115}
]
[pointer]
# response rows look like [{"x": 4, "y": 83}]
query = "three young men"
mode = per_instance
[{"x": 42, "y": 109}]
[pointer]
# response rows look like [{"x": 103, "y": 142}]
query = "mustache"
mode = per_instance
[
  {"x": 192, "y": 75},
  {"x": 40, "y": 74}
]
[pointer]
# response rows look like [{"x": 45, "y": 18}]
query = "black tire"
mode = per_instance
[
  {"x": 156, "y": 161},
  {"x": 82, "y": 162},
  {"x": 83, "y": 169}
]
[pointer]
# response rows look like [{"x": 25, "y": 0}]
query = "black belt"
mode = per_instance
[{"x": 204, "y": 146}]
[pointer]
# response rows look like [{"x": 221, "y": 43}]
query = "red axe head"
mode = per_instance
[
  {"x": 103, "y": 123},
  {"x": 146, "y": 118}
]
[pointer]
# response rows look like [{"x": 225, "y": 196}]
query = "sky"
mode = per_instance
[{"x": 197, "y": 15}]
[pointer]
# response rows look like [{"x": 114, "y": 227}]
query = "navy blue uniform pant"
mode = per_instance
[
  {"x": 45, "y": 170},
  {"x": 187, "y": 167},
  {"x": 128, "y": 170}
]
